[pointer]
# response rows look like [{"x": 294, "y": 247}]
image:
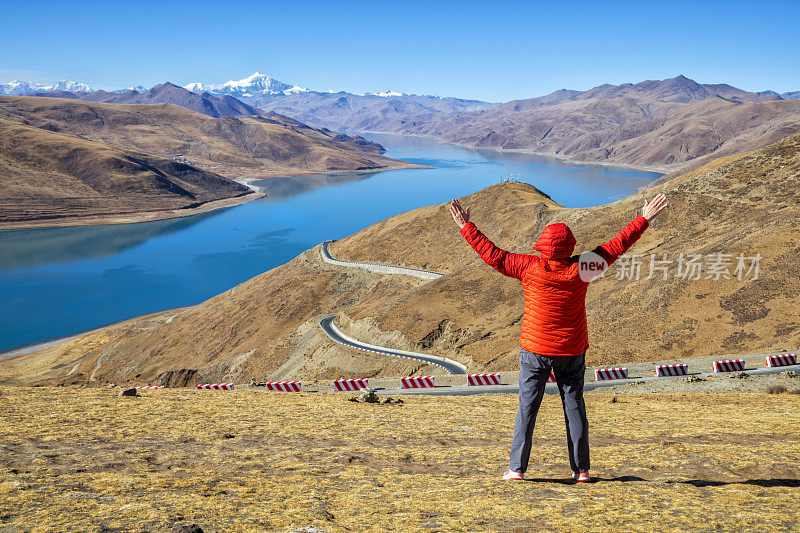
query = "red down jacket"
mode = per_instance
[{"x": 554, "y": 320}]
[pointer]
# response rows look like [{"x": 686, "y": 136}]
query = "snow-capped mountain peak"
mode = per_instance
[
  {"x": 254, "y": 80},
  {"x": 195, "y": 87},
  {"x": 26, "y": 87},
  {"x": 253, "y": 85},
  {"x": 136, "y": 88},
  {"x": 387, "y": 94}
]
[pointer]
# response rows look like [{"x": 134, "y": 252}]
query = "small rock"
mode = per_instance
[
  {"x": 613, "y": 400},
  {"x": 128, "y": 392},
  {"x": 391, "y": 400},
  {"x": 111, "y": 386},
  {"x": 353, "y": 399},
  {"x": 228, "y": 436},
  {"x": 193, "y": 528},
  {"x": 739, "y": 375},
  {"x": 789, "y": 374},
  {"x": 694, "y": 379}
]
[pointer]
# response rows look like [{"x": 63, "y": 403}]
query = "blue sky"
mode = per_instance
[{"x": 489, "y": 50}]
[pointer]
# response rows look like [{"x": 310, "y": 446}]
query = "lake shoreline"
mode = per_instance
[
  {"x": 33, "y": 348},
  {"x": 132, "y": 218},
  {"x": 562, "y": 158},
  {"x": 247, "y": 180},
  {"x": 152, "y": 216}
]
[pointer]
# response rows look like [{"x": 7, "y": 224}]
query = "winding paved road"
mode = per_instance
[
  {"x": 378, "y": 268},
  {"x": 337, "y": 335}
]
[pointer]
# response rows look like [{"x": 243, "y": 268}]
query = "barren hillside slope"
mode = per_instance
[
  {"x": 625, "y": 129},
  {"x": 266, "y": 326},
  {"x": 46, "y": 177},
  {"x": 231, "y": 146}
]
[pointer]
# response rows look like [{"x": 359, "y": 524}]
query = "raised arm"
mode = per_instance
[
  {"x": 507, "y": 263},
  {"x": 620, "y": 244}
]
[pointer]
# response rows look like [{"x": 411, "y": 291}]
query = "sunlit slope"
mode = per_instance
[
  {"x": 51, "y": 176},
  {"x": 231, "y": 146},
  {"x": 266, "y": 327}
]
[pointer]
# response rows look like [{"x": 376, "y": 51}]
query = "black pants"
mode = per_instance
[{"x": 534, "y": 369}]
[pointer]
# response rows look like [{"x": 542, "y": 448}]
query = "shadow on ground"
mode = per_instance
[{"x": 778, "y": 482}]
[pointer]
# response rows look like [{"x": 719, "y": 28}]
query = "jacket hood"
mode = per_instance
[{"x": 555, "y": 242}]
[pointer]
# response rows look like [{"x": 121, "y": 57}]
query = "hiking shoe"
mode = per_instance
[
  {"x": 510, "y": 475},
  {"x": 583, "y": 477}
]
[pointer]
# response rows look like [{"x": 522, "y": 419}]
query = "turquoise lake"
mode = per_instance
[{"x": 62, "y": 281}]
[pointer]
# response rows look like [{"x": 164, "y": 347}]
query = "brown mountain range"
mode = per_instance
[
  {"x": 672, "y": 124},
  {"x": 266, "y": 327},
  {"x": 169, "y": 93},
  {"x": 348, "y": 112},
  {"x": 65, "y": 160},
  {"x": 669, "y": 125}
]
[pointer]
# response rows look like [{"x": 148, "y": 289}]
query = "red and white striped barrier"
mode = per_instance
[
  {"x": 417, "y": 382},
  {"x": 730, "y": 365},
  {"x": 283, "y": 386},
  {"x": 672, "y": 370},
  {"x": 216, "y": 386},
  {"x": 784, "y": 359},
  {"x": 150, "y": 387},
  {"x": 610, "y": 373},
  {"x": 483, "y": 379},
  {"x": 552, "y": 378},
  {"x": 350, "y": 384}
]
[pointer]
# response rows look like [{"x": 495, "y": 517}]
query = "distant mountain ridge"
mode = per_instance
[
  {"x": 663, "y": 124},
  {"x": 28, "y": 87},
  {"x": 680, "y": 89},
  {"x": 169, "y": 93},
  {"x": 255, "y": 84}
]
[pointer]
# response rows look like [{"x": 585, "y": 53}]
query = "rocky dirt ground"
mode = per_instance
[{"x": 90, "y": 460}]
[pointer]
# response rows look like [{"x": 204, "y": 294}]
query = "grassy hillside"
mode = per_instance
[{"x": 266, "y": 327}]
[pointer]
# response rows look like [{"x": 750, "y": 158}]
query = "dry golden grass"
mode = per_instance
[{"x": 86, "y": 460}]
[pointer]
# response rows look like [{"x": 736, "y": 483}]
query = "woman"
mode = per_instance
[{"x": 554, "y": 333}]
